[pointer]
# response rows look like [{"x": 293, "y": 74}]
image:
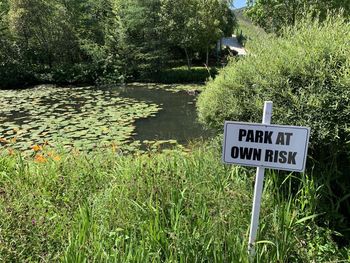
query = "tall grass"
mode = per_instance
[{"x": 163, "y": 207}]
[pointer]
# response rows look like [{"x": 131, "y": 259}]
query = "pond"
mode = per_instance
[{"x": 86, "y": 118}]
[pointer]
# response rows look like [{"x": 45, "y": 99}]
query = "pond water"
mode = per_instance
[
  {"x": 176, "y": 120},
  {"x": 127, "y": 117}
]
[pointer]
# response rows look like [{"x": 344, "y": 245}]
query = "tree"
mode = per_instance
[
  {"x": 143, "y": 34},
  {"x": 179, "y": 19},
  {"x": 13, "y": 68},
  {"x": 196, "y": 25},
  {"x": 29, "y": 22},
  {"x": 42, "y": 31},
  {"x": 127, "y": 42},
  {"x": 65, "y": 41},
  {"x": 273, "y": 15},
  {"x": 215, "y": 20}
]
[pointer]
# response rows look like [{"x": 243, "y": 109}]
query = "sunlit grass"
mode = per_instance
[{"x": 173, "y": 206}]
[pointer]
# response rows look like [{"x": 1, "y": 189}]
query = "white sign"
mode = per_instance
[{"x": 269, "y": 146}]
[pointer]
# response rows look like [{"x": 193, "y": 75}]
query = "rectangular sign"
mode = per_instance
[{"x": 270, "y": 146}]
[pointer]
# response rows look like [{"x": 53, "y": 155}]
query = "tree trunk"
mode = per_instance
[
  {"x": 207, "y": 57},
  {"x": 188, "y": 59}
]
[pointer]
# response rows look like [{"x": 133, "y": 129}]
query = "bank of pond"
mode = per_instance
[{"x": 174, "y": 206}]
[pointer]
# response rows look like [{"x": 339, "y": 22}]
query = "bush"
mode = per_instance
[
  {"x": 15, "y": 76},
  {"x": 306, "y": 73},
  {"x": 184, "y": 75},
  {"x": 14, "y": 71},
  {"x": 74, "y": 74}
]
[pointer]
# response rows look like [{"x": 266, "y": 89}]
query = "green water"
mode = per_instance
[{"x": 87, "y": 118}]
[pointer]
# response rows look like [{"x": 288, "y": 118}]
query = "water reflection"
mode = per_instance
[{"x": 176, "y": 120}]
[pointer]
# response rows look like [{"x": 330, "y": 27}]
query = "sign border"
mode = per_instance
[{"x": 267, "y": 125}]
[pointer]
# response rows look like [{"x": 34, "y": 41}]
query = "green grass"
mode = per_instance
[{"x": 173, "y": 206}]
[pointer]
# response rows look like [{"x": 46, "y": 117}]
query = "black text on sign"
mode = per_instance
[{"x": 272, "y": 146}]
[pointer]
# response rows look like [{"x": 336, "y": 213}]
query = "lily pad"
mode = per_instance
[{"x": 69, "y": 116}]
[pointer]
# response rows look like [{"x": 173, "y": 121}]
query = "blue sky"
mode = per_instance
[{"x": 239, "y": 3}]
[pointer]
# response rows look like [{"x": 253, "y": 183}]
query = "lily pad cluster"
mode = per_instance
[{"x": 82, "y": 118}]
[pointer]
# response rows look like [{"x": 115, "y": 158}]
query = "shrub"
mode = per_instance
[
  {"x": 184, "y": 75},
  {"x": 306, "y": 73},
  {"x": 15, "y": 76},
  {"x": 13, "y": 70},
  {"x": 74, "y": 74}
]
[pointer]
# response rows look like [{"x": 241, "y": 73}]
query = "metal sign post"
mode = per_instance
[
  {"x": 259, "y": 182},
  {"x": 263, "y": 146}
]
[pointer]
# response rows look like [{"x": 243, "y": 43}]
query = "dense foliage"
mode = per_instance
[
  {"x": 184, "y": 75},
  {"x": 169, "y": 207},
  {"x": 274, "y": 15},
  {"x": 306, "y": 74},
  {"x": 105, "y": 40}
]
